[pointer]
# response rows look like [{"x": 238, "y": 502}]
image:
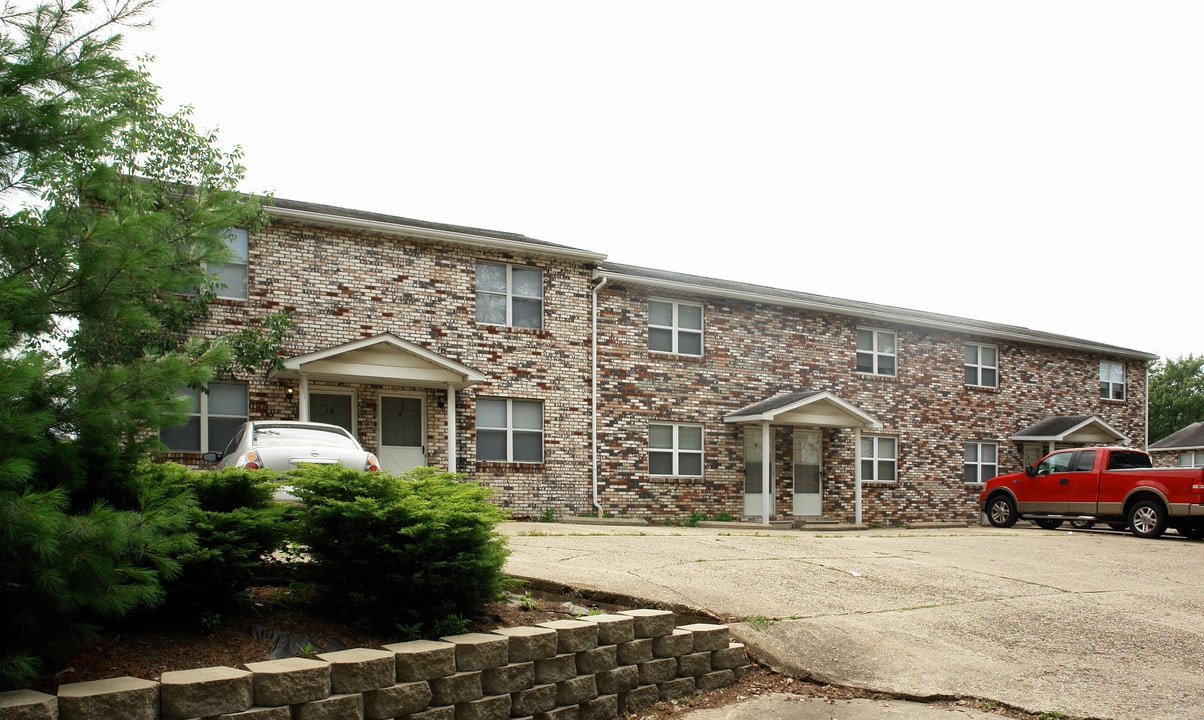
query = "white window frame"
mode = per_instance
[
  {"x": 509, "y": 294},
  {"x": 876, "y": 458},
  {"x": 1108, "y": 386},
  {"x": 238, "y": 265},
  {"x": 979, "y": 366},
  {"x": 1196, "y": 458},
  {"x": 876, "y": 353},
  {"x": 978, "y": 463},
  {"x": 676, "y": 450},
  {"x": 675, "y": 329},
  {"x": 511, "y": 430},
  {"x": 208, "y": 444}
]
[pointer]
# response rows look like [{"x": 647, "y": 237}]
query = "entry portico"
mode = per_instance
[
  {"x": 390, "y": 361},
  {"x": 817, "y": 409}
]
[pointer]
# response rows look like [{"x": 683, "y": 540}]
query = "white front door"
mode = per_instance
[
  {"x": 402, "y": 433},
  {"x": 753, "y": 483},
  {"x": 808, "y": 467}
]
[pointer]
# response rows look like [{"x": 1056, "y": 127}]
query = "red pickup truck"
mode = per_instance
[{"x": 1119, "y": 486}]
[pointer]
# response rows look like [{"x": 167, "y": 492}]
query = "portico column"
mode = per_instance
[
  {"x": 451, "y": 427},
  {"x": 857, "y": 475},
  {"x": 766, "y": 467},
  {"x": 303, "y": 401}
]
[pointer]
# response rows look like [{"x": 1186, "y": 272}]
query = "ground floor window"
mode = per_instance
[
  {"x": 509, "y": 430},
  {"x": 674, "y": 449},
  {"x": 215, "y": 415},
  {"x": 879, "y": 458},
  {"x": 1191, "y": 459},
  {"x": 981, "y": 461}
]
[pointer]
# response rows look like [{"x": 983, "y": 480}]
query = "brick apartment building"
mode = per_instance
[{"x": 475, "y": 351}]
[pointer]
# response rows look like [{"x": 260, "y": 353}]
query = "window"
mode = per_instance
[
  {"x": 982, "y": 461},
  {"x": 675, "y": 449},
  {"x": 509, "y": 295},
  {"x": 1191, "y": 459},
  {"x": 509, "y": 430},
  {"x": 233, "y": 274},
  {"x": 1111, "y": 380},
  {"x": 215, "y": 416},
  {"x": 982, "y": 365},
  {"x": 878, "y": 458},
  {"x": 876, "y": 352},
  {"x": 674, "y": 327}
]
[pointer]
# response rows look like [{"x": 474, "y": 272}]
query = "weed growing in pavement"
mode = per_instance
[{"x": 759, "y": 622}]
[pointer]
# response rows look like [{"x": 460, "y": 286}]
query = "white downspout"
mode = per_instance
[
  {"x": 303, "y": 401},
  {"x": 594, "y": 395},
  {"x": 451, "y": 428},
  {"x": 857, "y": 476},
  {"x": 766, "y": 466}
]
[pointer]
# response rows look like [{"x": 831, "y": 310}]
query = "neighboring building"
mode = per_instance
[
  {"x": 1183, "y": 448},
  {"x": 474, "y": 350}
]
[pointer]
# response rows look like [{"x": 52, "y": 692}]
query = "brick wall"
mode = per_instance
[
  {"x": 753, "y": 351},
  {"x": 589, "y": 669}
]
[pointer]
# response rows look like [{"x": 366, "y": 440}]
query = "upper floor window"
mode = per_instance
[
  {"x": 233, "y": 273},
  {"x": 876, "y": 351},
  {"x": 674, "y": 327},
  {"x": 879, "y": 460},
  {"x": 509, "y": 430},
  {"x": 1191, "y": 459},
  {"x": 982, "y": 365},
  {"x": 1111, "y": 380},
  {"x": 674, "y": 449},
  {"x": 509, "y": 295},
  {"x": 215, "y": 416},
  {"x": 981, "y": 461}
]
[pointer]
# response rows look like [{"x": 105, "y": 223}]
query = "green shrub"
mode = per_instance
[{"x": 392, "y": 552}]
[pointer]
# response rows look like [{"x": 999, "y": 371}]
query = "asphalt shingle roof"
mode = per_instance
[{"x": 1189, "y": 438}]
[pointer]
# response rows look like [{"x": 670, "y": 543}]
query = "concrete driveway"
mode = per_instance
[{"x": 1087, "y": 623}]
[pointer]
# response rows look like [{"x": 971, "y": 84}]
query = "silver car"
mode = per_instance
[{"x": 285, "y": 444}]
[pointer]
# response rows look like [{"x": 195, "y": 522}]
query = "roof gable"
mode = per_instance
[{"x": 1188, "y": 438}]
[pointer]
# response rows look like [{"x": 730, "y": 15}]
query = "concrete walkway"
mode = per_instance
[{"x": 1093, "y": 624}]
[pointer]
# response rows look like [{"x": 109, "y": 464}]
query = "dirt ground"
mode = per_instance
[{"x": 247, "y": 636}]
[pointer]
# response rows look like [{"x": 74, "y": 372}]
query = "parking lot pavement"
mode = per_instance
[{"x": 1087, "y": 623}]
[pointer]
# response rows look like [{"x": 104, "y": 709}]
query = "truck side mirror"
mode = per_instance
[{"x": 1030, "y": 470}]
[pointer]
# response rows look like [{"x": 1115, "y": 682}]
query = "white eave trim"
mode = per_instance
[
  {"x": 882, "y": 314},
  {"x": 449, "y": 236}
]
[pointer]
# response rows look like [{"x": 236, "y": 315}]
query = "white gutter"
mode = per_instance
[
  {"x": 448, "y": 236},
  {"x": 594, "y": 395}
]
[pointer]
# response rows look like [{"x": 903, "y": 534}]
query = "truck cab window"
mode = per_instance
[
  {"x": 1055, "y": 463},
  {"x": 1084, "y": 461}
]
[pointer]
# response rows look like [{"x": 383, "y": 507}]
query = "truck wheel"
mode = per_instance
[
  {"x": 1048, "y": 523},
  {"x": 1147, "y": 519},
  {"x": 1081, "y": 524},
  {"x": 1001, "y": 511}
]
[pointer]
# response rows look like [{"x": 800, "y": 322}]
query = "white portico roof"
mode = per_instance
[{"x": 382, "y": 359}]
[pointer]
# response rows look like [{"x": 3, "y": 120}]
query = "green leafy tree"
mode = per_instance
[
  {"x": 1176, "y": 395},
  {"x": 111, "y": 211}
]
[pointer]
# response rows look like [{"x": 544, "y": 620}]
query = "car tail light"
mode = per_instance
[
  {"x": 250, "y": 460},
  {"x": 373, "y": 463}
]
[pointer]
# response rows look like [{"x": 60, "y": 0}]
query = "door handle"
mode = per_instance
[{"x": 1064, "y": 481}]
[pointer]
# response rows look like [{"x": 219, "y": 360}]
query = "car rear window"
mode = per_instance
[
  {"x": 277, "y": 435},
  {"x": 1122, "y": 460}
]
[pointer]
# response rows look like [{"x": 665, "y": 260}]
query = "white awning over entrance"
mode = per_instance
[
  {"x": 383, "y": 359},
  {"x": 1072, "y": 429}
]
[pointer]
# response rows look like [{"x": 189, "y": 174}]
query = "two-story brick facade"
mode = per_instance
[{"x": 577, "y": 386}]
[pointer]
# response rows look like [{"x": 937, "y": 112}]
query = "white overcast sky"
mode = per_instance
[{"x": 1031, "y": 163}]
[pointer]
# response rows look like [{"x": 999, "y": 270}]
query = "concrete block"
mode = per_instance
[
  {"x": 599, "y": 659},
  {"x": 613, "y": 629},
  {"x": 714, "y": 680},
  {"x": 675, "y": 644},
  {"x": 423, "y": 659},
  {"x": 655, "y": 672},
  {"x": 678, "y": 688},
  {"x": 621, "y": 679},
  {"x": 290, "y": 681},
  {"x": 556, "y": 669},
  {"x": 635, "y": 652},
  {"x": 28, "y": 705},
  {"x": 360, "y": 669},
  {"x": 562, "y": 713},
  {"x": 540, "y": 698},
  {"x": 335, "y": 707},
  {"x": 496, "y": 707},
  {"x": 603, "y": 707},
  {"x": 708, "y": 636},
  {"x": 573, "y": 635},
  {"x": 208, "y": 691},
  {"x": 435, "y": 713},
  {"x": 400, "y": 699},
  {"x": 651, "y": 623},
  {"x": 732, "y": 656},
  {"x": 125, "y": 697},
  {"x": 458, "y": 688},
  {"x": 508, "y": 678},
  {"x": 694, "y": 664},
  {"x": 258, "y": 713},
  {"x": 529, "y": 643},
  {"x": 575, "y": 691},
  {"x": 479, "y": 651},
  {"x": 644, "y": 696}
]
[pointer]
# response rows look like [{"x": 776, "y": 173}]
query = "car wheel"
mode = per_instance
[
  {"x": 1147, "y": 519},
  {"x": 1118, "y": 525},
  {"x": 1001, "y": 511},
  {"x": 1048, "y": 523},
  {"x": 1193, "y": 532},
  {"x": 1081, "y": 524}
]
